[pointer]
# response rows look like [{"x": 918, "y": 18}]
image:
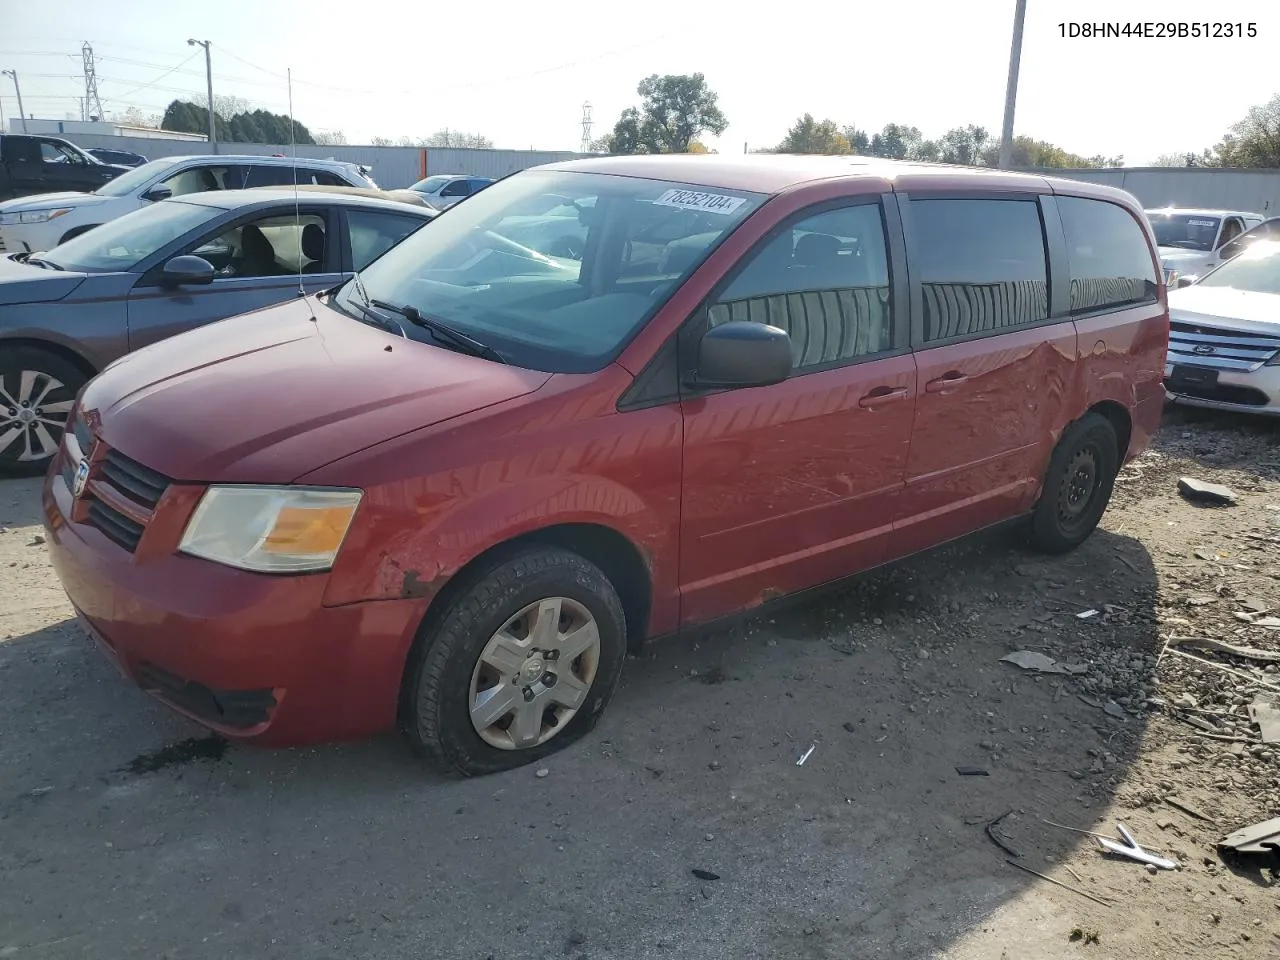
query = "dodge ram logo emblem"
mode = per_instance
[
  {"x": 81, "y": 478},
  {"x": 1204, "y": 349}
]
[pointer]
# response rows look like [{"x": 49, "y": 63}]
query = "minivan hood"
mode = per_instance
[
  {"x": 20, "y": 283},
  {"x": 1226, "y": 308},
  {"x": 47, "y": 201},
  {"x": 1169, "y": 255},
  {"x": 271, "y": 395}
]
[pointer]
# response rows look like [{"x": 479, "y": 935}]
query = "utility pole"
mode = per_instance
[
  {"x": 585, "y": 145},
  {"x": 1011, "y": 92},
  {"x": 208, "y": 75},
  {"x": 92, "y": 102},
  {"x": 22, "y": 114}
]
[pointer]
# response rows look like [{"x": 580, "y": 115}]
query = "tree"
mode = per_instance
[
  {"x": 459, "y": 139},
  {"x": 330, "y": 137},
  {"x": 809, "y": 136},
  {"x": 1255, "y": 140},
  {"x": 859, "y": 140},
  {"x": 380, "y": 141},
  {"x": 895, "y": 142},
  {"x": 1203, "y": 159},
  {"x": 674, "y": 111},
  {"x": 964, "y": 145},
  {"x": 258, "y": 126},
  {"x": 227, "y": 106}
]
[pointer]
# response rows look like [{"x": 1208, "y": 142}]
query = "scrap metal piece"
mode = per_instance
[
  {"x": 1131, "y": 849},
  {"x": 1260, "y": 838},
  {"x": 805, "y": 756},
  {"x": 1265, "y": 712}
]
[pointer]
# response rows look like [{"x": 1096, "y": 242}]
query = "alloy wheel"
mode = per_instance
[{"x": 33, "y": 415}]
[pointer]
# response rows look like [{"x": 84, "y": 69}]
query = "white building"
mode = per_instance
[{"x": 101, "y": 128}]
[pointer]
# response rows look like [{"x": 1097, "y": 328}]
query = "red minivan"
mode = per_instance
[{"x": 600, "y": 401}]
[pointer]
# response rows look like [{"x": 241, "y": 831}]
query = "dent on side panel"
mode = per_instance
[{"x": 443, "y": 497}]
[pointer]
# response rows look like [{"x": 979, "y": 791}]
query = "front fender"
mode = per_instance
[{"x": 400, "y": 551}]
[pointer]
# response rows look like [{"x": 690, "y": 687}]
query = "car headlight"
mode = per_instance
[
  {"x": 32, "y": 216},
  {"x": 1170, "y": 276},
  {"x": 271, "y": 529},
  {"x": 1274, "y": 361}
]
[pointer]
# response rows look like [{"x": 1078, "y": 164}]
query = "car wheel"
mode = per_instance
[
  {"x": 37, "y": 389},
  {"x": 1077, "y": 486},
  {"x": 519, "y": 664},
  {"x": 76, "y": 231}
]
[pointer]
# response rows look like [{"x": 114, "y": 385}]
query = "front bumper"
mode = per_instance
[
  {"x": 247, "y": 655},
  {"x": 32, "y": 237},
  {"x": 1246, "y": 391}
]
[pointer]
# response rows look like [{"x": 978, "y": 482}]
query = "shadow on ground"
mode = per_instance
[{"x": 874, "y": 848}]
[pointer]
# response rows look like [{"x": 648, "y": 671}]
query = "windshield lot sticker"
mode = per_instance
[
  {"x": 1203, "y": 223},
  {"x": 704, "y": 202}
]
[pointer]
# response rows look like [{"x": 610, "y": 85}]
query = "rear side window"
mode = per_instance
[
  {"x": 981, "y": 265},
  {"x": 824, "y": 280},
  {"x": 1111, "y": 264},
  {"x": 459, "y": 188}
]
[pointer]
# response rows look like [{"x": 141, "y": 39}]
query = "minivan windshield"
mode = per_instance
[
  {"x": 1186, "y": 231},
  {"x": 1256, "y": 270},
  {"x": 554, "y": 269},
  {"x": 134, "y": 180},
  {"x": 123, "y": 243}
]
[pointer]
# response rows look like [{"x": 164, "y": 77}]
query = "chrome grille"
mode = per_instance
[{"x": 1204, "y": 346}]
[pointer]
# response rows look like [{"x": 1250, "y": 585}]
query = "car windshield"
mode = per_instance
[
  {"x": 1186, "y": 231},
  {"x": 134, "y": 180},
  {"x": 431, "y": 184},
  {"x": 562, "y": 294},
  {"x": 1257, "y": 270},
  {"x": 123, "y": 243}
]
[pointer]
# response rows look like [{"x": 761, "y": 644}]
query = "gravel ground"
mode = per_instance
[{"x": 124, "y": 832}]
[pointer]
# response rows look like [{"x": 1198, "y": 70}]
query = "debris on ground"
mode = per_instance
[
  {"x": 36, "y": 540},
  {"x": 1133, "y": 850},
  {"x": 542, "y": 773},
  {"x": 1086, "y": 614},
  {"x": 1207, "y": 643},
  {"x": 972, "y": 772},
  {"x": 1188, "y": 809},
  {"x": 1088, "y": 936},
  {"x": 1265, "y": 712},
  {"x": 1200, "y": 491},
  {"x": 1261, "y": 838},
  {"x": 1030, "y": 660},
  {"x": 805, "y": 756},
  {"x": 1059, "y": 883},
  {"x": 704, "y": 874},
  {"x": 999, "y": 839}
]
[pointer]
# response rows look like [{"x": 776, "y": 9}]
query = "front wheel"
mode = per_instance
[
  {"x": 37, "y": 389},
  {"x": 520, "y": 663},
  {"x": 1077, "y": 485}
]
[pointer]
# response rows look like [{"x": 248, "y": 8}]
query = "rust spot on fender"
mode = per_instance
[{"x": 413, "y": 586}]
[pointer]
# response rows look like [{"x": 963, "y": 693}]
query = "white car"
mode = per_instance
[
  {"x": 41, "y": 222},
  {"x": 443, "y": 190},
  {"x": 1224, "y": 335},
  {"x": 1190, "y": 241}
]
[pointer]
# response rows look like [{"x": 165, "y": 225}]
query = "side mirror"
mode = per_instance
[
  {"x": 157, "y": 193},
  {"x": 743, "y": 354},
  {"x": 186, "y": 271},
  {"x": 1184, "y": 282}
]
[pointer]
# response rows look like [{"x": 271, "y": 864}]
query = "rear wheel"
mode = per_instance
[
  {"x": 1077, "y": 486},
  {"x": 37, "y": 389},
  {"x": 518, "y": 664}
]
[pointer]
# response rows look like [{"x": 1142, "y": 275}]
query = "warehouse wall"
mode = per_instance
[
  {"x": 393, "y": 167},
  {"x": 1257, "y": 191}
]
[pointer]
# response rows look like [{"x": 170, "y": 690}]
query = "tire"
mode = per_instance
[
  {"x": 1077, "y": 485},
  {"x": 76, "y": 231},
  {"x": 30, "y": 433},
  {"x": 470, "y": 655}
]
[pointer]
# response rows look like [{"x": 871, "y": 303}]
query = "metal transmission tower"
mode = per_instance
[
  {"x": 586, "y": 128},
  {"x": 92, "y": 102}
]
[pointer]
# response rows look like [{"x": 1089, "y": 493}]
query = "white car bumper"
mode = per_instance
[
  {"x": 30, "y": 237},
  {"x": 1256, "y": 391}
]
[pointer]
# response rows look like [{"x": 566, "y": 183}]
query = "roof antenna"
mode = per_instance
[{"x": 297, "y": 207}]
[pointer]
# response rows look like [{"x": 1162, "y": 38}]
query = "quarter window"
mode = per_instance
[
  {"x": 825, "y": 280},
  {"x": 981, "y": 265},
  {"x": 1107, "y": 250},
  {"x": 201, "y": 179},
  {"x": 373, "y": 234}
]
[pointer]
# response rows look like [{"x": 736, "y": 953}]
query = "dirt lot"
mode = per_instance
[{"x": 121, "y": 838}]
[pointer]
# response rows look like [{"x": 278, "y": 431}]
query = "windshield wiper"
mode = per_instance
[
  {"x": 442, "y": 332},
  {"x": 42, "y": 262}
]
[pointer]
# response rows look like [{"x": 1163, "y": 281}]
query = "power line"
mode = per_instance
[{"x": 155, "y": 81}]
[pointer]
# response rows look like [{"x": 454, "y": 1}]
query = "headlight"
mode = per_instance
[
  {"x": 1274, "y": 361},
  {"x": 271, "y": 529},
  {"x": 33, "y": 216},
  {"x": 1170, "y": 276}
]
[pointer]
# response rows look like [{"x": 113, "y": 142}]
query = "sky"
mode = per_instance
[{"x": 520, "y": 72}]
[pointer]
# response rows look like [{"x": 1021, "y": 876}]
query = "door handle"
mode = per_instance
[
  {"x": 882, "y": 395},
  {"x": 945, "y": 382}
]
